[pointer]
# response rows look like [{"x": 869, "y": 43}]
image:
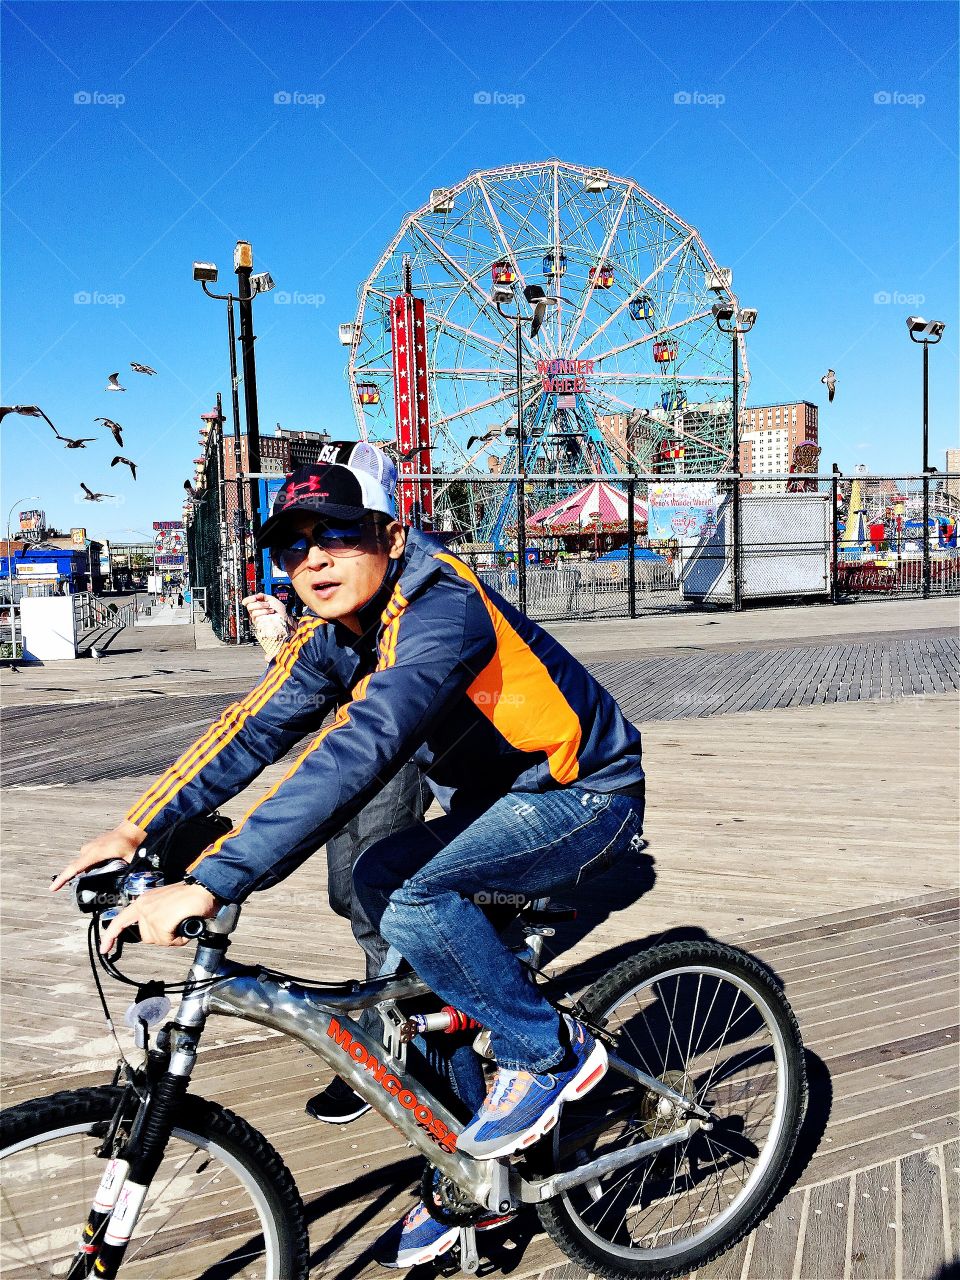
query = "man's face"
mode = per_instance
[{"x": 334, "y": 583}]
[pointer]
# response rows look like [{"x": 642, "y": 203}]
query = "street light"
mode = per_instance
[
  {"x": 538, "y": 299},
  {"x": 926, "y": 333},
  {"x": 730, "y": 318},
  {"x": 34, "y": 497},
  {"x": 248, "y": 287}
]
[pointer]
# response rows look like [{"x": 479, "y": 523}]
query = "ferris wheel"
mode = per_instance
[{"x": 628, "y": 369}]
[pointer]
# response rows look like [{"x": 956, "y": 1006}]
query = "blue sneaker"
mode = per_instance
[
  {"x": 521, "y": 1107},
  {"x": 421, "y": 1238}
]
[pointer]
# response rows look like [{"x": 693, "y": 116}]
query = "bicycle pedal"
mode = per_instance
[{"x": 469, "y": 1258}]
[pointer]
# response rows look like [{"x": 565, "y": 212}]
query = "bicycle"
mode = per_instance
[{"x": 663, "y": 1166}]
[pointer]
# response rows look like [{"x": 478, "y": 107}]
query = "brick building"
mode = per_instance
[{"x": 769, "y": 433}]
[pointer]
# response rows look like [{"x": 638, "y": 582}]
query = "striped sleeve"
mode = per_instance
[
  {"x": 430, "y": 651},
  {"x": 291, "y": 700}
]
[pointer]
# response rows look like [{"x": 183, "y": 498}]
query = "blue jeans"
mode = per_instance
[{"x": 424, "y": 890}]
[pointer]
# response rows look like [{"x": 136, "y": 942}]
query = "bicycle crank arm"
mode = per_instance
[
  {"x": 537, "y": 1190},
  {"x": 687, "y": 1105}
]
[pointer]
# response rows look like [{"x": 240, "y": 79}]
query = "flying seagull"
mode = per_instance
[
  {"x": 407, "y": 455},
  {"x": 90, "y": 496},
  {"x": 829, "y": 380},
  {"x": 113, "y": 427},
  {"x": 126, "y": 462},
  {"x": 493, "y": 434},
  {"x": 76, "y": 444},
  {"x": 113, "y": 382},
  {"x": 194, "y": 493},
  {"x": 142, "y": 368}
]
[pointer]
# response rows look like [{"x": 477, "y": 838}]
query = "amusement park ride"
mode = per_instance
[{"x": 626, "y": 335}]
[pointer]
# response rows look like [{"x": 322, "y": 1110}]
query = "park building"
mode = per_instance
[{"x": 769, "y": 433}]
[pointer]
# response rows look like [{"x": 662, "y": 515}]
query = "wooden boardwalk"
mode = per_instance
[{"x": 821, "y": 836}]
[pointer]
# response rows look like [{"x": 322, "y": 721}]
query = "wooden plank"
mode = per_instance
[
  {"x": 922, "y": 1234},
  {"x": 825, "y": 1237},
  {"x": 875, "y": 1228},
  {"x": 775, "y": 1243}
]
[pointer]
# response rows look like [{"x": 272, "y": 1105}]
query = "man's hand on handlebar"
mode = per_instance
[
  {"x": 159, "y": 912},
  {"x": 122, "y": 842}
]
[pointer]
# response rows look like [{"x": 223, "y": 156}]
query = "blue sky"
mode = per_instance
[{"x": 825, "y": 177}]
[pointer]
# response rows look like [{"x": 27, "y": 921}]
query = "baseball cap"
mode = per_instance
[
  {"x": 362, "y": 456},
  {"x": 326, "y": 489}
]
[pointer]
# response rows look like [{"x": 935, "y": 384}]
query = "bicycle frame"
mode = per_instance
[{"x": 321, "y": 1019}]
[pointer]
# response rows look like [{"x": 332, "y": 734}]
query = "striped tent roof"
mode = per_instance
[{"x": 598, "y": 505}]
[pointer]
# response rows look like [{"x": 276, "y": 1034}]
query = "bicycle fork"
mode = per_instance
[{"x": 126, "y": 1179}]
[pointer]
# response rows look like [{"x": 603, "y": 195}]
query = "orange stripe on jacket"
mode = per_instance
[
  {"x": 517, "y": 694},
  {"x": 388, "y": 653},
  {"x": 222, "y": 731}
]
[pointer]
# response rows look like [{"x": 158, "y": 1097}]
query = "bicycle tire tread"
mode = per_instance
[
  {"x": 209, "y": 1119},
  {"x": 599, "y": 996}
]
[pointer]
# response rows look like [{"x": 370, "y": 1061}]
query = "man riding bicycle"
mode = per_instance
[{"x": 536, "y": 767}]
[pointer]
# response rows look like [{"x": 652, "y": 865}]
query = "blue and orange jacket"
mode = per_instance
[{"x": 448, "y": 672}]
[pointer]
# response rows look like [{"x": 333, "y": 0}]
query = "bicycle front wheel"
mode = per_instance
[
  {"x": 222, "y": 1204},
  {"x": 710, "y": 1022}
]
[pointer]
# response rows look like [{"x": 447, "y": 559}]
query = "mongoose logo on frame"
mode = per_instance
[{"x": 422, "y": 1113}]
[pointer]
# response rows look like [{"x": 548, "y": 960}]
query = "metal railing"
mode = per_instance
[
  {"x": 674, "y": 545},
  {"x": 91, "y": 613}
]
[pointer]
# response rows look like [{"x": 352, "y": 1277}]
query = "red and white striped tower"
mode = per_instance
[{"x": 408, "y": 328}]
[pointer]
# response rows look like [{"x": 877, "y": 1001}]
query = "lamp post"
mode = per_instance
[
  {"x": 248, "y": 286},
  {"x": 537, "y": 298},
  {"x": 34, "y": 497},
  {"x": 731, "y": 319},
  {"x": 927, "y": 333}
]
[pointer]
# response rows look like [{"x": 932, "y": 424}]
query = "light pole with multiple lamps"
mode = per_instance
[
  {"x": 248, "y": 287},
  {"x": 927, "y": 333},
  {"x": 730, "y": 318},
  {"x": 537, "y": 298}
]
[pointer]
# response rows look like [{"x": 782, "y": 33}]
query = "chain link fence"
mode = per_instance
[
  {"x": 210, "y": 554},
  {"x": 613, "y": 546}
]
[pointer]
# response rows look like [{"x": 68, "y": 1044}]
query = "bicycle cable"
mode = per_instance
[{"x": 93, "y": 944}]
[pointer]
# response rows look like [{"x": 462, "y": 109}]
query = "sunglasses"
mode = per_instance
[{"x": 335, "y": 538}]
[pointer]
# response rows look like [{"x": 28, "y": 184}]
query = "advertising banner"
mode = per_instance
[{"x": 681, "y": 511}]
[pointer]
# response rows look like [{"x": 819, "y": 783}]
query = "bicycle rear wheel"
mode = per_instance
[
  {"x": 711, "y": 1022},
  {"x": 222, "y": 1204}
]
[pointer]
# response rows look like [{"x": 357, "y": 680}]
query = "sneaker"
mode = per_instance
[
  {"x": 336, "y": 1104},
  {"x": 521, "y": 1107},
  {"x": 419, "y": 1238}
]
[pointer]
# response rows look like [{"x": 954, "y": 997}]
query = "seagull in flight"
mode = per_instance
[
  {"x": 829, "y": 380},
  {"x": 126, "y": 462},
  {"x": 493, "y": 434},
  {"x": 90, "y": 496},
  {"x": 141, "y": 368},
  {"x": 114, "y": 428},
  {"x": 194, "y": 493},
  {"x": 113, "y": 382},
  {"x": 76, "y": 444}
]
